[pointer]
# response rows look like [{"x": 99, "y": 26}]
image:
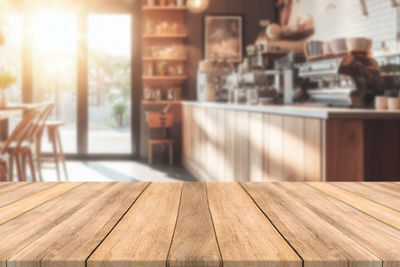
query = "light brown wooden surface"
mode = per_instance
[
  {"x": 19, "y": 207},
  {"x": 11, "y": 192},
  {"x": 374, "y": 192},
  {"x": 301, "y": 227},
  {"x": 256, "y": 142},
  {"x": 194, "y": 242},
  {"x": 70, "y": 243},
  {"x": 33, "y": 224},
  {"x": 293, "y": 149},
  {"x": 144, "y": 234},
  {"x": 383, "y": 213},
  {"x": 244, "y": 235},
  {"x": 201, "y": 224},
  {"x": 378, "y": 237}
]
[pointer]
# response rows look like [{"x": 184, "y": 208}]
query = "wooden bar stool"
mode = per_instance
[
  {"x": 163, "y": 121},
  {"x": 53, "y": 131}
]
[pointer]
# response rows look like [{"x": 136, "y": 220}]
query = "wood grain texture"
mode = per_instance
[
  {"x": 266, "y": 170},
  {"x": 380, "y": 212},
  {"x": 301, "y": 228},
  {"x": 256, "y": 140},
  {"x": 230, "y": 145},
  {"x": 33, "y": 224},
  {"x": 293, "y": 149},
  {"x": 275, "y": 141},
  {"x": 313, "y": 150},
  {"x": 72, "y": 241},
  {"x": 212, "y": 144},
  {"x": 143, "y": 236},
  {"x": 19, "y": 207},
  {"x": 375, "y": 193},
  {"x": 242, "y": 144},
  {"x": 194, "y": 242},
  {"x": 220, "y": 132},
  {"x": 11, "y": 192},
  {"x": 344, "y": 150},
  {"x": 244, "y": 234},
  {"x": 379, "y": 238}
]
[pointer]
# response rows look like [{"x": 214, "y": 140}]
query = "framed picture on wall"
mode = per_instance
[{"x": 223, "y": 37}]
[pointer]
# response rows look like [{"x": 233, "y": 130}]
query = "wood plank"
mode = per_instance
[
  {"x": 379, "y": 238},
  {"x": 220, "y": 127},
  {"x": 244, "y": 234},
  {"x": 194, "y": 242},
  {"x": 344, "y": 150},
  {"x": 275, "y": 141},
  {"x": 242, "y": 143},
  {"x": 230, "y": 145},
  {"x": 33, "y": 224},
  {"x": 14, "y": 191},
  {"x": 196, "y": 137},
  {"x": 143, "y": 236},
  {"x": 383, "y": 213},
  {"x": 375, "y": 193},
  {"x": 312, "y": 150},
  {"x": 293, "y": 148},
  {"x": 266, "y": 171},
  {"x": 89, "y": 226},
  {"x": 315, "y": 240},
  {"x": 23, "y": 205},
  {"x": 256, "y": 139},
  {"x": 391, "y": 188},
  {"x": 212, "y": 143}
]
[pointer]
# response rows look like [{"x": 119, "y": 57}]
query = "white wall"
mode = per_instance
[{"x": 347, "y": 20}]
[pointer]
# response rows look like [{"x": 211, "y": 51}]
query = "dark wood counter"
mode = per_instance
[
  {"x": 290, "y": 143},
  {"x": 199, "y": 224}
]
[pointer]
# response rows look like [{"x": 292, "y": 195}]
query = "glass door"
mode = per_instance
[
  {"x": 55, "y": 71},
  {"x": 109, "y": 92},
  {"x": 82, "y": 63}
]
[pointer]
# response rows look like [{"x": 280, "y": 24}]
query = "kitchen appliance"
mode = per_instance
[
  {"x": 352, "y": 80},
  {"x": 390, "y": 71}
]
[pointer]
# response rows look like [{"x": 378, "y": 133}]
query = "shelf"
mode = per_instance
[
  {"x": 164, "y": 59},
  {"x": 161, "y": 102},
  {"x": 164, "y": 78},
  {"x": 166, "y": 36},
  {"x": 164, "y": 8}
]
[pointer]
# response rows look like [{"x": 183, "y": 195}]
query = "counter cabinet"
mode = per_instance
[{"x": 222, "y": 144}]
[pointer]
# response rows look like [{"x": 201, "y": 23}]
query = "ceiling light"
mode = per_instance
[{"x": 197, "y": 6}]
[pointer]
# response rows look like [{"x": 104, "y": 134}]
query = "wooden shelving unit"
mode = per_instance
[
  {"x": 161, "y": 102},
  {"x": 164, "y": 78},
  {"x": 165, "y": 36},
  {"x": 164, "y": 30},
  {"x": 164, "y": 59}
]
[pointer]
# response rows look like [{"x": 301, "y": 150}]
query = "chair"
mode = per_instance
[
  {"x": 34, "y": 137},
  {"x": 163, "y": 121},
  {"x": 53, "y": 131},
  {"x": 15, "y": 145}
]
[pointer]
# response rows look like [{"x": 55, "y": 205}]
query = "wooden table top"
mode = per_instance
[
  {"x": 199, "y": 224},
  {"x": 6, "y": 114}
]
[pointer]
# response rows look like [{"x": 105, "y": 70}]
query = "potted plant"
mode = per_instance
[{"x": 6, "y": 81}]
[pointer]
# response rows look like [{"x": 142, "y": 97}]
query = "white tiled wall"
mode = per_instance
[{"x": 344, "y": 18}]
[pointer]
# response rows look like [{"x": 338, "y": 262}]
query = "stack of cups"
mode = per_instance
[{"x": 387, "y": 103}]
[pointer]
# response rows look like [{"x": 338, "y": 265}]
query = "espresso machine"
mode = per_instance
[{"x": 352, "y": 80}]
